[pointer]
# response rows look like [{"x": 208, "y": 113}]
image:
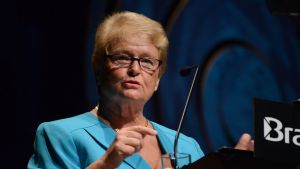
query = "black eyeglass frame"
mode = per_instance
[{"x": 138, "y": 59}]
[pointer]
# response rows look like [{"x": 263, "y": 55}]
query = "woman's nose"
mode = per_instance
[{"x": 134, "y": 69}]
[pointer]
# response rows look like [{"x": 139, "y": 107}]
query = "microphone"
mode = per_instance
[{"x": 184, "y": 72}]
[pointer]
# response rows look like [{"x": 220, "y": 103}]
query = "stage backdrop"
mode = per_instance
[{"x": 243, "y": 51}]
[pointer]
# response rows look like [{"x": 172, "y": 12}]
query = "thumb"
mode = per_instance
[{"x": 245, "y": 143}]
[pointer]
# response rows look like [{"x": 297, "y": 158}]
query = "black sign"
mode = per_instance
[{"x": 277, "y": 131}]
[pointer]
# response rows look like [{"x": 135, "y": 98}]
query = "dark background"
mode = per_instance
[{"x": 244, "y": 50}]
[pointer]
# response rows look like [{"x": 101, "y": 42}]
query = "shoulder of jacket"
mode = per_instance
[{"x": 69, "y": 124}]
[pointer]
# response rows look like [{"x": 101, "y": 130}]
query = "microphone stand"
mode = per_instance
[{"x": 184, "y": 72}]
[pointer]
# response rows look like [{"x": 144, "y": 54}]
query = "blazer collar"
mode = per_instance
[
  {"x": 105, "y": 135},
  {"x": 165, "y": 142}
]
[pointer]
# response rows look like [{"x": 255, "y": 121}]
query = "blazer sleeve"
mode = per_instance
[
  {"x": 198, "y": 152},
  {"x": 53, "y": 148}
]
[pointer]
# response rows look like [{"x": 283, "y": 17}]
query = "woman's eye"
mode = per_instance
[
  {"x": 147, "y": 61},
  {"x": 123, "y": 57}
]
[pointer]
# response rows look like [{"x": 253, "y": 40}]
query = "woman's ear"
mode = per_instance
[{"x": 156, "y": 86}]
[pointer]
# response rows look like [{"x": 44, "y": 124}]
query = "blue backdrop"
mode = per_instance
[{"x": 244, "y": 52}]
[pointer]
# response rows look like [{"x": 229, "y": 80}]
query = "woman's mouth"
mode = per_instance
[{"x": 131, "y": 84}]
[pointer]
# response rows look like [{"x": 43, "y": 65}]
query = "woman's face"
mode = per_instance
[{"x": 131, "y": 83}]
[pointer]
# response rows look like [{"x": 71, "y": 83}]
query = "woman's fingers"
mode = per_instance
[
  {"x": 141, "y": 129},
  {"x": 129, "y": 134},
  {"x": 125, "y": 147},
  {"x": 130, "y": 139},
  {"x": 245, "y": 143},
  {"x": 133, "y": 139}
]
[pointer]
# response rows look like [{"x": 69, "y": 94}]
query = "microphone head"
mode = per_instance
[{"x": 186, "y": 70}]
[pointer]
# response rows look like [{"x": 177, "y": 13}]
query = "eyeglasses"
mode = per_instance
[{"x": 146, "y": 63}]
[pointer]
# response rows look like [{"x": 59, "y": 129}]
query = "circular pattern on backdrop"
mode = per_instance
[{"x": 234, "y": 78}]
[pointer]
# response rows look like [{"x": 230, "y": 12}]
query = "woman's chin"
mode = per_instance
[{"x": 133, "y": 95}]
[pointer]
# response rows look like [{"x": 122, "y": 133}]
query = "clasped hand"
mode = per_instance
[{"x": 128, "y": 141}]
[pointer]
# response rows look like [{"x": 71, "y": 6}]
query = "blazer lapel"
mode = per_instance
[
  {"x": 165, "y": 142},
  {"x": 105, "y": 135},
  {"x": 137, "y": 161},
  {"x": 102, "y": 134}
]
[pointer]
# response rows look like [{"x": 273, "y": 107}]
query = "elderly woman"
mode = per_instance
[{"x": 129, "y": 59}]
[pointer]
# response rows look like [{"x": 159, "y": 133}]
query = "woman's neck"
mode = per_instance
[{"x": 121, "y": 115}]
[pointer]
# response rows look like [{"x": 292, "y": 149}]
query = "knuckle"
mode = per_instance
[
  {"x": 120, "y": 137},
  {"x": 131, "y": 150}
]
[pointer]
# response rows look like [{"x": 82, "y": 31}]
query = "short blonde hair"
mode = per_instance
[{"x": 119, "y": 25}]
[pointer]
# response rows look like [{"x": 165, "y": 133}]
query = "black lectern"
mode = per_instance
[
  {"x": 228, "y": 158},
  {"x": 277, "y": 141}
]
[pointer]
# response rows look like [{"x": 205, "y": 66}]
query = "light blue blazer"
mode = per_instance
[{"x": 78, "y": 141}]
